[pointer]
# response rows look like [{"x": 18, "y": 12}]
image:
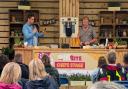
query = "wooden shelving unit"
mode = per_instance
[
  {"x": 17, "y": 18},
  {"x": 113, "y": 25}
]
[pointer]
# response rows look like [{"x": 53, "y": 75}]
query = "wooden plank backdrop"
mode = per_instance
[
  {"x": 55, "y": 9},
  {"x": 68, "y": 8}
]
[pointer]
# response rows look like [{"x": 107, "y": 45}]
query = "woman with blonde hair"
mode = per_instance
[
  {"x": 10, "y": 76},
  {"x": 39, "y": 79}
]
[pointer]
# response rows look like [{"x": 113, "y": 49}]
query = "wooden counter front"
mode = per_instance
[{"x": 29, "y": 53}]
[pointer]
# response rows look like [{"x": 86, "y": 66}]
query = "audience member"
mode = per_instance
[
  {"x": 125, "y": 60},
  {"x": 25, "y": 71},
  {"x": 3, "y": 61},
  {"x": 111, "y": 71},
  {"x": 50, "y": 69},
  {"x": 95, "y": 74},
  {"x": 39, "y": 79},
  {"x": 10, "y": 76},
  {"x": 107, "y": 85}
]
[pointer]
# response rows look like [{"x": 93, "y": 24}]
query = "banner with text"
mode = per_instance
[{"x": 70, "y": 62}]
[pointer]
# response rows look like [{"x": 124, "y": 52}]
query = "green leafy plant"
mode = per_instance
[
  {"x": 7, "y": 51},
  {"x": 79, "y": 77},
  {"x": 120, "y": 42},
  {"x": 17, "y": 39}
]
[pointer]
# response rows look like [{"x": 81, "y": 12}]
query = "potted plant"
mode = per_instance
[
  {"x": 120, "y": 43},
  {"x": 8, "y": 51},
  {"x": 88, "y": 80},
  {"x": 17, "y": 40},
  {"x": 77, "y": 79}
]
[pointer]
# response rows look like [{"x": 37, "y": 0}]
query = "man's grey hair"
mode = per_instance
[
  {"x": 111, "y": 56},
  {"x": 107, "y": 85}
]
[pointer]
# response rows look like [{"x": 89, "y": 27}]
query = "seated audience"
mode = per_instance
[
  {"x": 24, "y": 67},
  {"x": 111, "y": 71},
  {"x": 50, "y": 69},
  {"x": 10, "y": 75},
  {"x": 125, "y": 60},
  {"x": 39, "y": 79},
  {"x": 11, "y": 55},
  {"x": 95, "y": 74},
  {"x": 106, "y": 85},
  {"x": 3, "y": 61}
]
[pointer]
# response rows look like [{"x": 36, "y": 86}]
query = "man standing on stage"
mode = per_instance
[
  {"x": 30, "y": 32},
  {"x": 86, "y": 34}
]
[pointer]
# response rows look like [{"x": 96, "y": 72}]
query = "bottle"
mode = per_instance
[
  {"x": 124, "y": 33},
  {"x": 110, "y": 35},
  {"x": 106, "y": 42},
  {"x": 119, "y": 32},
  {"x": 106, "y": 34},
  {"x": 117, "y": 20}
]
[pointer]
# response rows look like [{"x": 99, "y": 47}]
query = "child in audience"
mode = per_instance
[
  {"x": 10, "y": 76},
  {"x": 112, "y": 71},
  {"x": 101, "y": 62},
  {"x": 125, "y": 60}
]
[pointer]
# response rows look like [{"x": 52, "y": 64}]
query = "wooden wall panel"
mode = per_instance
[
  {"x": 48, "y": 9},
  {"x": 49, "y": 40},
  {"x": 44, "y": 0},
  {"x": 68, "y": 8},
  {"x": 91, "y": 8},
  {"x": 101, "y": 1},
  {"x": 4, "y": 22},
  {"x": 3, "y": 45},
  {"x": 5, "y": 10},
  {"x": 49, "y": 29},
  {"x": 44, "y": 5},
  {"x": 52, "y": 35},
  {"x": 4, "y": 34},
  {"x": 93, "y": 5},
  {"x": 49, "y": 16},
  {"x": 4, "y": 16},
  {"x": 55, "y": 9},
  {"x": 91, "y": 11},
  {"x": 4, "y": 28},
  {"x": 4, "y": 40},
  {"x": 8, "y": 4}
]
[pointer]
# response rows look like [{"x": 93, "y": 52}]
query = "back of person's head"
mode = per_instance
[
  {"x": 36, "y": 69},
  {"x": 11, "y": 55},
  {"x": 111, "y": 57},
  {"x": 11, "y": 73},
  {"x": 125, "y": 60},
  {"x": 18, "y": 58},
  {"x": 107, "y": 85},
  {"x": 46, "y": 60},
  {"x": 3, "y": 60},
  {"x": 101, "y": 61}
]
